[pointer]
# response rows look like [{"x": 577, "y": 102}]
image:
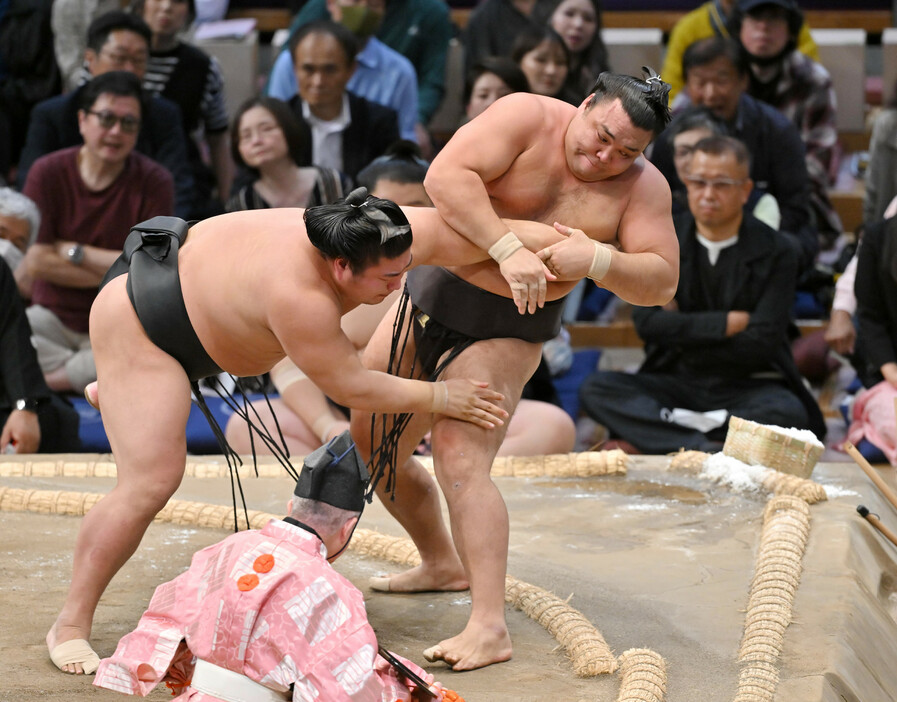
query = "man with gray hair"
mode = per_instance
[
  {"x": 32, "y": 418},
  {"x": 19, "y": 223}
]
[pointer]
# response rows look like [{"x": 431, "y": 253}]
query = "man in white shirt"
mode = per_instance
[{"x": 343, "y": 131}]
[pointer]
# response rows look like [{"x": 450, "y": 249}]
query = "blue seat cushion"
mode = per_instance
[{"x": 200, "y": 438}]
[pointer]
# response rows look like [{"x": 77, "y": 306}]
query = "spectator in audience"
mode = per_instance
[
  {"x": 381, "y": 75},
  {"x": 720, "y": 348},
  {"x": 115, "y": 41},
  {"x": 798, "y": 86},
  {"x": 420, "y": 30},
  {"x": 70, "y": 20},
  {"x": 876, "y": 299},
  {"x": 19, "y": 224},
  {"x": 89, "y": 197},
  {"x": 490, "y": 79},
  {"x": 192, "y": 80},
  {"x": 579, "y": 24},
  {"x": 28, "y": 73},
  {"x": 716, "y": 78},
  {"x": 709, "y": 20},
  {"x": 492, "y": 28},
  {"x": 543, "y": 57},
  {"x": 340, "y": 129},
  {"x": 32, "y": 419},
  {"x": 881, "y": 173},
  {"x": 266, "y": 140},
  {"x": 691, "y": 126}
]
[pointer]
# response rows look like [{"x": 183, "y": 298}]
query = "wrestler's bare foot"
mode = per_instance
[
  {"x": 70, "y": 651},
  {"x": 422, "y": 579},
  {"x": 475, "y": 647}
]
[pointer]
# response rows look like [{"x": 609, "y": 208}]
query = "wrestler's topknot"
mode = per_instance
[
  {"x": 361, "y": 229},
  {"x": 645, "y": 101}
]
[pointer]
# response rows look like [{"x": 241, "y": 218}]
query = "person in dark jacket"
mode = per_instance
[
  {"x": 115, "y": 41},
  {"x": 340, "y": 129},
  {"x": 720, "y": 348}
]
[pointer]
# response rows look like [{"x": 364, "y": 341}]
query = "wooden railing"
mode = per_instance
[{"x": 873, "y": 21}]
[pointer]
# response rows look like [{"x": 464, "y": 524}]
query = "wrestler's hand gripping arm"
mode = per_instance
[{"x": 645, "y": 270}]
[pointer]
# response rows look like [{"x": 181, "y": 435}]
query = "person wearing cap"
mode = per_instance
[
  {"x": 799, "y": 87},
  {"x": 705, "y": 21},
  {"x": 238, "y": 293},
  {"x": 263, "y": 612}
]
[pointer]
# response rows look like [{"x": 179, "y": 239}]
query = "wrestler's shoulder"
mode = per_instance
[
  {"x": 529, "y": 106},
  {"x": 647, "y": 179}
]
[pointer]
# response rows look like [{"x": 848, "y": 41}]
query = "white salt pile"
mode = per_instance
[{"x": 736, "y": 474}]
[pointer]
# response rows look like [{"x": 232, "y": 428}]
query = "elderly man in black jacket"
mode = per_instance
[
  {"x": 32, "y": 418},
  {"x": 716, "y": 76},
  {"x": 720, "y": 348}
]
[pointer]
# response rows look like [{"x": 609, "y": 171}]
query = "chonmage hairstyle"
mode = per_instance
[
  {"x": 645, "y": 101},
  {"x": 361, "y": 229}
]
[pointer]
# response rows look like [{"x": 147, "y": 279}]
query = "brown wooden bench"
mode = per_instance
[{"x": 873, "y": 21}]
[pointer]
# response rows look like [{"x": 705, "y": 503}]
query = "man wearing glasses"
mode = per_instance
[
  {"x": 720, "y": 347},
  {"x": 116, "y": 41},
  {"x": 716, "y": 80},
  {"x": 89, "y": 197}
]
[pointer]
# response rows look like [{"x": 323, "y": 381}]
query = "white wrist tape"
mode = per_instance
[
  {"x": 504, "y": 247},
  {"x": 600, "y": 262},
  {"x": 286, "y": 373},
  {"x": 440, "y": 397}
]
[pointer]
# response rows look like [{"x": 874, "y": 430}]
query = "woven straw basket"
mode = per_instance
[{"x": 758, "y": 444}]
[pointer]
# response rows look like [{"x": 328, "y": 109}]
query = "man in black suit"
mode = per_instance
[
  {"x": 116, "y": 41},
  {"x": 342, "y": 130},
  {"x": 720, "y": 347}
]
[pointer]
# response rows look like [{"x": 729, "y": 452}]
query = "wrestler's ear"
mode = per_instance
[{"x": 340, "y": 267}]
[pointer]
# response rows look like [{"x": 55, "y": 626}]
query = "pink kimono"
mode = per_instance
[
  {"x": 873, "y": 419},
  {"x": 265, "y": 604}
]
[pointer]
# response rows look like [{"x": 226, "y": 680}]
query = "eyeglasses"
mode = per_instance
[
  {"x": 129, "y": 124},
  {"x": 121, "y": 60},
  {"x": 720, "y": 184}
]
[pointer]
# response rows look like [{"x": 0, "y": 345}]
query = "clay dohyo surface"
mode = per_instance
[{"x": 653, "y": 559}]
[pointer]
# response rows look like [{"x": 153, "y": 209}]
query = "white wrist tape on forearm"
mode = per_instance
[
  {"x": 504, "y": 247},
  {"x": 600, "y": 262},
  {"x": 440, "y": 397},
  {"x": 284, "y": 374}
]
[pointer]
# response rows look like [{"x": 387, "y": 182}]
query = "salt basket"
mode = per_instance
[{"x": 759, "y": 444}]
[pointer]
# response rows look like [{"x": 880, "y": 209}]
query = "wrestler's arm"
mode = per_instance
[
  {"x": 645, "y": 271},
  {"x": 318, "y": 346},
  {"x": 303, "y": 397},
  {"x": 436, "y": 243},
  {"x": 645, "y": 268},
  {"x": 478, "y": 153}
]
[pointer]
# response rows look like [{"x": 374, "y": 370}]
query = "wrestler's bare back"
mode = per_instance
[
  {"x": 238, "y": 269},
  {"x": 233, "y": 267}
]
